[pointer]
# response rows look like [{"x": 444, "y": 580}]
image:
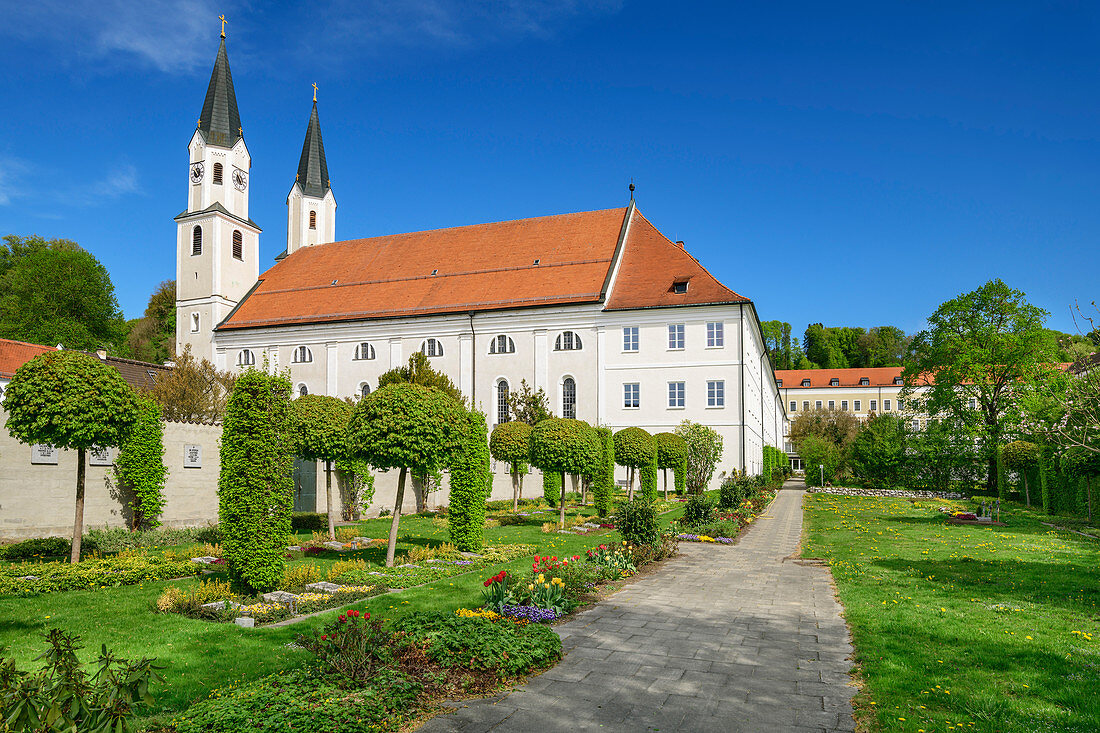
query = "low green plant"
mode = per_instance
[
  {"x": 92, "y": 574},
  {"x": 499, "y": 591},
  {"x": 615, "y": 558},
  {"x": 637, "y": 522},
  {"x": 734, "y": 491},
  {"x": 35, "y": 549},
  {"x": 548, "y": 593},
  {"x": 663, "y": 547},
  {"x": 699, "y": 509},
  {"x": 352, "y": 646},
  {"x": 308, "y": 522},
  {"x": 300, "y": 575},
  {"x": 189, "y": 602}
]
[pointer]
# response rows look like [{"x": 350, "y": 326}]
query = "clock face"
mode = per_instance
[
  {"x": 240, "y": 179},
  {"x": 196, "y": 172}
]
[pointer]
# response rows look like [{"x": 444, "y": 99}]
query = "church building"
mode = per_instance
[{"x": 618, "y": 324}]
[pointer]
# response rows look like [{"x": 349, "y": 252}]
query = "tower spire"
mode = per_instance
[
  {"x": 220, "y": 122},
  {"x": 312, "y": 166}
]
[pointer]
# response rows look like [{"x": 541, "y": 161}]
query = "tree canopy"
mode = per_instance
[
  {"x": 565, "y": 446},
  {"x": 419, "y": 371},
  {"x": 837, "y": 426},
  {"x": 704, "y": 451},
  {"x": 528, "y": 405},
  {"x": 152, "y": 337},
  {"x": 319, "y": 428},
  {"x": 193, "y": 391}
]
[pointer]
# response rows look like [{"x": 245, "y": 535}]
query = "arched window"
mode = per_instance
[
  {"x": 302, "y": 390},
  {"x": 238, "y": 245},
  {"x": 569, "y": 398},
  {"x": 196, "y": 240},
  {"x": 431, "y": 347},
  {"x": 364, "y": 389},
  {"x": 567, "y": 341},
  {"x": 302, "y": 355},
  {"x": 364, "y": 351},
  {"x": 217, "y": 174},
  {"x": 313, "y": 220},
  {"x": 246, "y": 358},
  {"x": 502, "y": 345},
  {"x": 502, "y": 401}
]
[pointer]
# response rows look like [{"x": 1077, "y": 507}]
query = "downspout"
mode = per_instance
[
  {"x": 473, "y": 362},
  {"x": 741, "y": 341},
  {"x": 761, "y": 386}
]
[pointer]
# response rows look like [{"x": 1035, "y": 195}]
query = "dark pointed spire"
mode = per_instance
[
  {"x": 220, "y": 122},
  {"x": 312, "y": 167}
]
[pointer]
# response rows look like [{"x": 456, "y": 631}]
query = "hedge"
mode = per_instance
[
  {"x": 603, "y": 482},
  {"x": 471, "y": 483},
  {"x": 140, "y": 465}
]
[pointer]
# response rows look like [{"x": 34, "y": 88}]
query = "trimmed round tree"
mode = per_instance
[
  {"x": 471, "y": 482},
  {"x": 511, "y": 443},
  {"x": 1021, "y": 456},
  {"x": 603, "y": 482},
  {"x": 255, "y": 486},
  {"x": 634, "y": 448},
  {"x": 564, "y": 446},
  {"x": 405, "y": 426},
  {"x": 140, "y": 465},
  {"x": 319, "y": 428},
  {"x": 73, "y": 400},
  {"x": 672, "y": 451},
  {"x": 1083, "y": 463}
]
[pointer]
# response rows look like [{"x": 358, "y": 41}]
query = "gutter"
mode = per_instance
[
  {"x": 741, "y": 343},
  {"x": 473, "y": 362}
]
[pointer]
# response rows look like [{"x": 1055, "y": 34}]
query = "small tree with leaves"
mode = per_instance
[
  {"x": 255, "y": 486},
  {"x": 408, "y": 427},
  {"x": 193, "y": 390},
  {"x": 634, "y": 448},
  {"x": 69, "y": 399},
  {"x": 471, "y": 483},
  {"x": 140, "y": 465},
  {"x": 704, "y": 452},
  {"x": 603, "y": 481},
  {"x": 672, "y": 451},
  {"x": 319, "y": 426},
  {"x": 564, "y": 446},
  {"x": 528, "y": 405},
  {"x": 511, "y": 443},
  {"x": 1021, "y": 456}
]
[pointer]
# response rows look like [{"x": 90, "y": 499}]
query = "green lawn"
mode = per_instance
[
  {"x": 962, "y": 628},
  {"x": 202, "y": 656}
]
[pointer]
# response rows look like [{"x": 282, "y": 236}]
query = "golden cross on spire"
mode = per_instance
[
  {"x": 198, "y": 122},
  {"x": 222, "y": 19},
  {"x": 314, "y": 91}
]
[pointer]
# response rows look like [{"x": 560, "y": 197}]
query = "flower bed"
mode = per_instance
[
  {"x": 358, "y": 571},
  {"x": 128, "y": 568},
  {"x": 214, "y": 600}
]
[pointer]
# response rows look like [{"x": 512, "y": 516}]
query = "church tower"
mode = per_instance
[
  {"x": 217, "y": 245},
  {"x": 311, "y": 207}
]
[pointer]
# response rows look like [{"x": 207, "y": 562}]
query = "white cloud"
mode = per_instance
[{"x": 11, "y": 172}]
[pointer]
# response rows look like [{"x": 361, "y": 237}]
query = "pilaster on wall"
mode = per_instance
[
  {"x": 331, "y": 363},
  {"x": 466, "y": 364},
  {"x": 396, "y": 359},
  {"x": 601, "y": 374},
  {"x": 541, "y": 368}
]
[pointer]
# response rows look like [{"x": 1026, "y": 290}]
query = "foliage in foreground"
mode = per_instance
[{"x": 471, "y": 483}]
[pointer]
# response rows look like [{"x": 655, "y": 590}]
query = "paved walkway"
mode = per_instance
[{"x": 719, "y": 639}]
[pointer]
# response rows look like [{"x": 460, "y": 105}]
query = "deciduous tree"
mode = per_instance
[
  {"x": 672, "y": 453},
  {"x": 319, "y": 429},
  {"x": 528, "y": 405},
  {"x": 704, "y": 451},
  {"x": 634, "y": 448},
  {"x": 511, "y": 443},
  {"x": 565, "y": 446},
  {"x": 140, "y": 465},
  {"x": 193, "y": 390}
]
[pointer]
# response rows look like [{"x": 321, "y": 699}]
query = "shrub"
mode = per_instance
[
  {"x": 734, "y": 491},
  {"x": 698, "y": 510},
  {"x": 62, "y": 696},
  {"x": 356, "y": 482},
  {"x": 1022, "y": 457},
  {"x": 664, "y": 547},
  {"x": 603, "y": 481},
  {"x": 511, "y": 443},
  {"x": 551, "y": 488},
  {"x": 878, "y": 454},
  {"x": 308, "y": 522},
  {"x": 140, "y": 465},
  {"x": 704, "y": 451},
  {"x": 565, "y": 446},
  {"x": 470, "y": 486},
  {"x": 672, "y": 452},
  {"x": 35, "y": 549},
  {"x": 637, "y": 522},
  {"x": 92, "y": 574},
  {"x": 299, "y": 576},
  {"x": 352, "y": 646},
  {"x": 118, "y": 539},
  {"x": 816, "y": 451},
  {"x": 190, "y": 601},
  {"x": 647, "y": 479}
]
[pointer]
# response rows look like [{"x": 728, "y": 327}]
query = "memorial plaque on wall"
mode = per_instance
[
  {"x": 100, "y": 456},
  {"x": 192, "y": 456},
  {"x": 44, "y": 454}
]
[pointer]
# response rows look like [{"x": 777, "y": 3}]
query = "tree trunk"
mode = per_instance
[
  {"x": 1088, "y": 494},
  {"x": 78, "y": 523},
  {"x": 630, "y": 484},
  {"x": 1027, "y": 493},
  {"x": 396, "y": 517},
  {"x": 561, "y": 506},
  {"x": 328, "y": 500},
  {"x": 521, "y": 473},
  {"x": 665, "y": 472},
  {"x": 515, "y": 488}
]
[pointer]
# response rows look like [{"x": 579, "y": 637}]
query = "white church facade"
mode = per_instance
[{"x": 618, "y": 324}]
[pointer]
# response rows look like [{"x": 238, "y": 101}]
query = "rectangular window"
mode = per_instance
[
  {"x": 630, "y": 395},
  {"x": 916, "y": 424},
  {"x": 859, "y": 405},
  {"x": 715, "y": 335},
  {"x": 844, "y": 405},
  {"x": 794, "y": 406},
  {"x": 675, "y": 335},
  {"x": 716, "y": 393},
  {"x": 901, "y": 405},
  {"x": 675, "y": 394},
  {"x": 973, "y": 403},
  {"x": 817, "y": 404},
  {"x": 832, "y": 404},
  {"x": 874, "y": 405},
  {"x": 886, "y": 405},
  {"x": 630, "y": 338},
  {"x": 805, "y": 404}
]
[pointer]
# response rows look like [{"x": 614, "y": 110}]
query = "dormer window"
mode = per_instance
[
  {"x": 864, "y": 382},
  {"x": 898, "y": 382},
  {"x": 217, "y": 174},
  {"x": 302, "y": 355},
  {"x": 779, "y": 383},
  {"x": 834, "y": 382},
  {"x": 680, "y": 287},
  {"x": 364, "y": 352},
  {"x": 431, "y": 347},
  {"x": 502, "y": 345},
  {"x": 805, "y": 383},
  {"x": 313, "y": 220}
]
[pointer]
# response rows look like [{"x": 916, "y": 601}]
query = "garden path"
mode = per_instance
[{"x": 730, "y": 639}]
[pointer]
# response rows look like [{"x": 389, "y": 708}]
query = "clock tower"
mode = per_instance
[{"x": 217, "y": 245}]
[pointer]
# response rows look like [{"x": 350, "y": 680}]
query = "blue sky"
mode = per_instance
[{"x": 852, "y": 163}]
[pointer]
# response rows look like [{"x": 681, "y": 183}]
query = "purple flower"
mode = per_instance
[
  {"x": 464, "y": 562},
  {"x": 534, "y": 614}
]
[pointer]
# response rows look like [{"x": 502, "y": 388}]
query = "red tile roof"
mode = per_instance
[
  {"x": 14, "y": 354},
  {"x": 877, "y": 376},
  {"x": 478, "y": 268}
]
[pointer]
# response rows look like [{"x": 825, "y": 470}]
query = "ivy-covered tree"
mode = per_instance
[
  {"x": 603, "y": 481},
  {"x": 471, "y": 482},
  {"x": 672, "y": 451},
  {"x": 140, "y": 466},
  {"x": 69, "y": 399},
  {"x": 255, "y": 486},
  {"x": 647, "y": 479},
  {"x": 564, "y": 446},
  {"x": 319, "y": 429},
  {"x": 634, "y": 448},
  {"x": 1082, "y": 463},
  {"x": 1022, "y": 457},
  {"x": 408, "y": 427},
  {"x": 511, "y": 443},
  {"x": 704, "y": 452},
  {"x": 356, "y": 482}
]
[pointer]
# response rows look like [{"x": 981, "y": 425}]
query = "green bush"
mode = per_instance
[
  {"x": 511, "y": 442},
  {"x": 647, "y": 479},
  {"x": 471, "y": 483},
  {"x": 110, "y": 540},
  {"x": 733, "y": 492},
  {"x": 672, "y": 452},
  {"x": 551, "y": 488},
  {"x": 1022, "y": 457},
  {"x": 91, "y": 574},
  {"x": 255, "y": 487},
  {"x": 36, "y": 549},
  {"x": 817, "y": 451},
  {"x": 704, "y": 451},
  {"x": 318, "y": 426},
  {"x": 879, "y": 454},
  {"x": 62, "y": 696},
  {"x": 603, "y": 482},
  {"x": 698, "y": 510},
  {"x": 140, "y": 465},
  {"x": 637, "y": 522},
  {"x": 308, "y": 522}
]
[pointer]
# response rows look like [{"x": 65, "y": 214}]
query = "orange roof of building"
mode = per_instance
[
  {"x": 876, "y": 376},
  {"x": 14, "y": 354},
  {"x": 551, "y": 260}
]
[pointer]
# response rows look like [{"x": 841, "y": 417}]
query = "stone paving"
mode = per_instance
[{"x": 719, "y": 639}]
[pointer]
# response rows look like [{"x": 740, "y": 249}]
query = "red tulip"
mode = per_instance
[
  {"x": 343, "y": 618},
  {"x": 324, "y": 637}
]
